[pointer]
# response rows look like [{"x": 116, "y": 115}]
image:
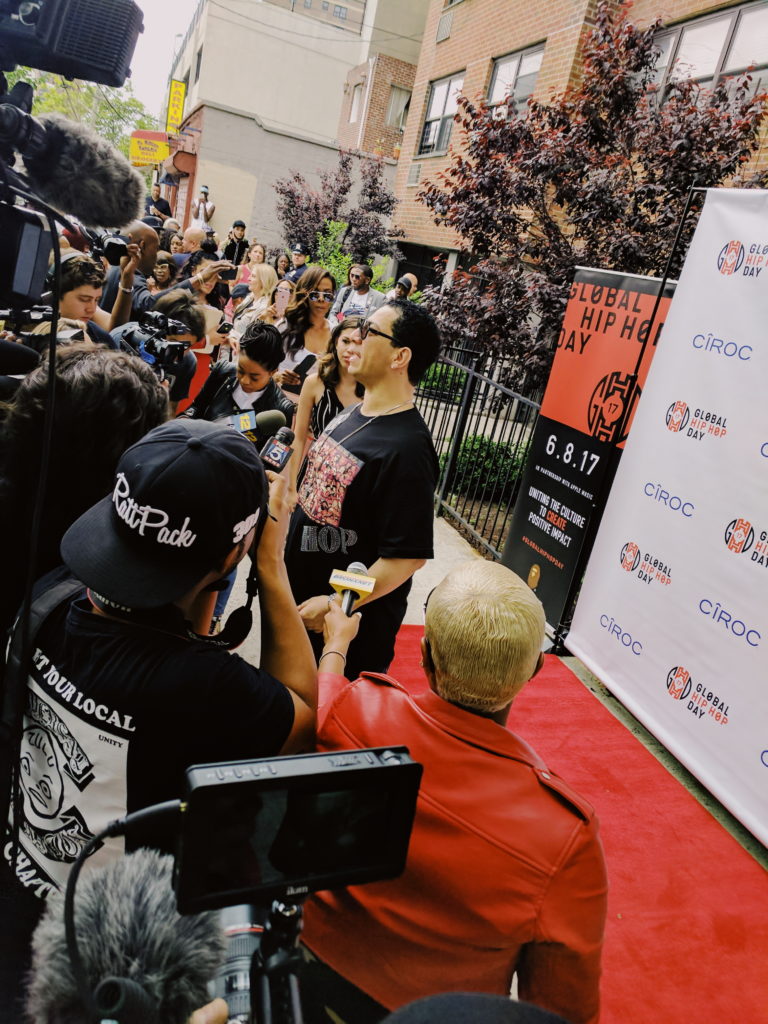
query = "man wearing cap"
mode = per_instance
[
  {"x": 358, "y": 298},
  {"x": 237, "y": 244},
  {"x": 202, "y": 210},
  {"x": 123, "y": 692},
  {"x": 299, "y": 255}
]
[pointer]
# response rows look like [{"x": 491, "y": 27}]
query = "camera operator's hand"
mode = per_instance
[
  {"x": 214, "y": 269},
  {"x": 129, "y": 265},
  {"x": 272, "y": 540},
  {"x": 216, "y": 1012}
]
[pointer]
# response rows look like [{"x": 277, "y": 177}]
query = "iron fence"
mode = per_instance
[{"x": 481, "y": 430}]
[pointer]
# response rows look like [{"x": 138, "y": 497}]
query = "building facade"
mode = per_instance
[
  {"x": 266, "y": 86},
  {"x": 493, "y": 49}
]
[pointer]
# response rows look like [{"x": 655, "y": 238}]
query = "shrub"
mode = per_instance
[
  {"x": 485, "y": 469},
  {"x": 443, "y": 381}
]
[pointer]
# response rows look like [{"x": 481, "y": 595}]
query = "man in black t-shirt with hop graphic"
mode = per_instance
[{"x": 368, "y": 491}]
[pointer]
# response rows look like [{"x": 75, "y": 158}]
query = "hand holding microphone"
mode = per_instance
[{"x": 352, "y": 583}]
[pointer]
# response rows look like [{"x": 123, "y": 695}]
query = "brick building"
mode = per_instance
[
  {"x": 487, "y": 49},
  {"x": 268, "y": 93}
]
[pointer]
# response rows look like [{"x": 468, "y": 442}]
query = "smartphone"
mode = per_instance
[
  {"x": 281, "y": 302},
  {"x": 224, "y": 327},
  {"x": 301, "y": 370},
  {"x": 228, "y": 275}
]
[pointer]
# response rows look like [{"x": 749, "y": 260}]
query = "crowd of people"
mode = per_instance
[{"x": 154, "y": 496}]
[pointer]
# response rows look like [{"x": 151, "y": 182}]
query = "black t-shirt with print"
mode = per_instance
[
  {"x": 116, "y": 712},
  {"x": 367, "y": 493}
]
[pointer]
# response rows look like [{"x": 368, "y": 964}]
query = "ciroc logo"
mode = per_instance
[
  {"x": 679, "y": 682},
  {"x": 677, "y": 417},
  {"x": 731, "y": 257}
]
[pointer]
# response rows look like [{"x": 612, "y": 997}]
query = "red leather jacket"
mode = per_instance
[{"x": 505, "y": 869}]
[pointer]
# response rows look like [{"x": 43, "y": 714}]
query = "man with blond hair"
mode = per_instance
[{"x": 505, "y": 871}]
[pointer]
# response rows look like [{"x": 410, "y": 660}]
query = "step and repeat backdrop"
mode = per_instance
[{"x": 673, "y": 612}]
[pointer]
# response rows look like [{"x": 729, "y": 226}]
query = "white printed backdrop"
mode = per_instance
[{"x": 673, "y": 612}]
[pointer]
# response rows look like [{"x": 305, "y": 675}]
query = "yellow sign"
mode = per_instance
[
  {"x": 148, "y": 148},
  {"x": 175, "y": 106}
]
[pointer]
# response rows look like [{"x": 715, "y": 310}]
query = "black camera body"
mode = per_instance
[
  {"x": 109, "y": 244},
  {"x": 150, "y": 342}
]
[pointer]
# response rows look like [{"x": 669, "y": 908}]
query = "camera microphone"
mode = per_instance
[
  {"x": 72, "y": 169},
  {"x": 352, "y": 583}
]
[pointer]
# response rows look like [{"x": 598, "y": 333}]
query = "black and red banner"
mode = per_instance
[{"x": 586, "y": 414}]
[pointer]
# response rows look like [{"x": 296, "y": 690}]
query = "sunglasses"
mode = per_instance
[
  {"x": 364, "y": 327},
  {"x": 321, "y": 296}
]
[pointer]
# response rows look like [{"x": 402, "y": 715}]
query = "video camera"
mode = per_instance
[
  {"x": 271, "y": 829},
  {"x": 150, "y": 342},
  {"x": 110, "y": 245}
]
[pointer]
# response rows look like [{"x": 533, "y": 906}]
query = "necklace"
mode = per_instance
[{"x": 368, "y": 421}]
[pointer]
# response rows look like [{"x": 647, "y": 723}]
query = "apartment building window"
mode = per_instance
[
  {"x": 514, "y": 77},
  {"x": 325, "y": 5},
  {"x": 441, "y": 110},
  {"x": 307, "y": 3},
  {"x": 397, "y": 108},
  {"x": 710, "y": 48},
  {"x": 354, "y": 108},
  {"x": 340, "y": 12}
]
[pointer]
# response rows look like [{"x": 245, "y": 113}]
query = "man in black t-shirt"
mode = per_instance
[
  {"x": 367, "y": 495},
  {"x": 124, "y": 691}
]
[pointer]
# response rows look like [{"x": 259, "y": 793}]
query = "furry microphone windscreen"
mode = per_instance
[
  {"x": 80, "y": 173},
  {"x": 127, "y": 926}
]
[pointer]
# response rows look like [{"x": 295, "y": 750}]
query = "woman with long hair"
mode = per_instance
[
  {"x": 306, "y": 331},
  {"x": 257, "y": 255},
  {"x": 324, "y": 395},
  {"x": 94, "y": 387},
  {"x": 262, "y": 283}
]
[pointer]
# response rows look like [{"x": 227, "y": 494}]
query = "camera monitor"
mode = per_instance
[{"x": 254, "y": 831}]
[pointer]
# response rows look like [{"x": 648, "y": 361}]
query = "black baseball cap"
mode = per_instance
[
  {"x": 238, "y": 223},
  {"x": 184, "y": 496},
  {"x": 300, "y": 249}
]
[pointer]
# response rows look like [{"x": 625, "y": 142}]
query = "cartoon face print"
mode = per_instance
[{"x": 40, "y": 774}]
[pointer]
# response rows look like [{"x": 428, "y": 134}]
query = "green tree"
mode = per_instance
[
  {"x": 112, "y": 113},
  {"x": 596, "y": 176}
]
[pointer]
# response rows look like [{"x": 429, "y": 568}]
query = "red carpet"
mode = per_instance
[{"x": 687, "y": 933}]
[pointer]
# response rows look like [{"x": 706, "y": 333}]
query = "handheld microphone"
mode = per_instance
[
  {"x": 351, "y": 584},
  {"x": 72, "y": 169},
  {"x": 277, "y": 450},
  {"x": 252, "y": 424}
]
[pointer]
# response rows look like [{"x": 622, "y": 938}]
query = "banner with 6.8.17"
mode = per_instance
[{"x": 607, "y": 327}]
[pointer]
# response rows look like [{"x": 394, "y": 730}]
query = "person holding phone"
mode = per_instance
[
  {"x": 324, "y": 395},
  {"x": 279, "y": 301},
  {"x": 307, "y": 331}
]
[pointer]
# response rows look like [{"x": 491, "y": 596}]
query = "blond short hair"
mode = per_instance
[
  {"x": 485, "y": 629},
  {"x": 263, "y": 279}
]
